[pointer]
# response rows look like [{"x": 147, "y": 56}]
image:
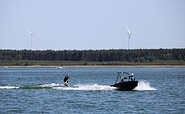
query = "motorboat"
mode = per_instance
[{"x": 125, "y": 81}]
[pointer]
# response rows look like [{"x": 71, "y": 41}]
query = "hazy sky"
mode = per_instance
[{"x": 92, "y": 24}]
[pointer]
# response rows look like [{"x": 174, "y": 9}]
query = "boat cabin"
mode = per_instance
[{"x": 124, "y": 76}]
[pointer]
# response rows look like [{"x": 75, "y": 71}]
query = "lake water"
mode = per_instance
[{"x": 40, "y": 90}]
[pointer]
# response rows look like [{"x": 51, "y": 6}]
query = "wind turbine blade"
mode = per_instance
[
  {"x": 29, "y": 31},
  {"x": 128, "y": 31}
]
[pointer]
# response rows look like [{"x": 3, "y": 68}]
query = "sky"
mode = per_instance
[{"x": 92, "y": 24}]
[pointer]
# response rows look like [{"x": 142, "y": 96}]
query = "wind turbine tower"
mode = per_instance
[
  {"x": 129, "y": 35},
  {"x": 31, "y": 34}
]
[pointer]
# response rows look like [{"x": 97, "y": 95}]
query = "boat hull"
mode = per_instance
[{"x": 127, "y": 85}]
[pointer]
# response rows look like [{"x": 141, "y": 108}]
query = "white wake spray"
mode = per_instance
[
  {"x": 144, "y": 85},
  {"x": 8, "y": 87},
  {"x": 87, "y": 87}
]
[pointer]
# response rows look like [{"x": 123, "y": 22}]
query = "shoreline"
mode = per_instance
[{"x": 99, "y": 66}]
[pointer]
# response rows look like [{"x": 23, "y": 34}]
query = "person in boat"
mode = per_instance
[
  {"x": 132, "y": 78},
  {"x": 66, "y": 80}
]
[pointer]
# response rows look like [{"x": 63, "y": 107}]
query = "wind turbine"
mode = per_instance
[
  {"x": 129, "y": 35},
  {"x": 31, "y": 34}
]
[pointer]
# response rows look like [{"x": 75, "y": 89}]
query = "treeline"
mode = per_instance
[{"x": 135, "y": 55}]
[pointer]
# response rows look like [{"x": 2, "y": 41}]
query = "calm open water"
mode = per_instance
[{"x": 40, "y": 90}]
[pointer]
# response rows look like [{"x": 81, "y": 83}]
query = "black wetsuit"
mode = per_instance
[{"x": 66, "y": 79}]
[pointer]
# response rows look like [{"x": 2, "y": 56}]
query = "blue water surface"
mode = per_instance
[{"x": 160, "y": 90}]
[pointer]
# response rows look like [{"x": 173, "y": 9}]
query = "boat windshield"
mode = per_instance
[{"x": 123, "y": 76}]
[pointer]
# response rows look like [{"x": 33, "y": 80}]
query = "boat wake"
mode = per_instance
[
  {"x": 62, "y": 87},
  {"x": 8, "y": 87},
  {"x": 87, "y": 87},
  {"x": 144, "y": 85}
]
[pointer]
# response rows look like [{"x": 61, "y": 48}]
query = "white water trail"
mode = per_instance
[
  {"x": 8, "y": 87},
  {"x": 144, "y": 85},
  {"x": 87, "y": 87},
  {"x": 52, "y": 85}
]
